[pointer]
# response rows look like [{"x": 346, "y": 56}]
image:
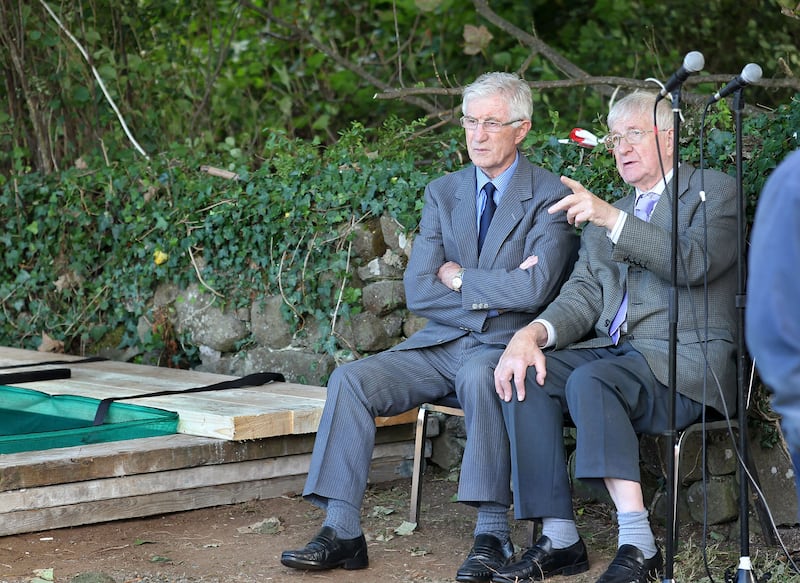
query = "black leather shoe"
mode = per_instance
[
  {"x": 630, "y": 566},
  {"x": 542, "y": 561},
  {"x": 327, "y": 551},
  {"x": 488, "y": 554}
]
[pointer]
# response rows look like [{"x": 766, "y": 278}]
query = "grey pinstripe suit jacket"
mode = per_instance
[
  {"x": 521, "y": 227},
  {"x": 590, "y": 298}
]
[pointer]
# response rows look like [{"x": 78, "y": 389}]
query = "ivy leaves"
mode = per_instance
[{"x": 85, "y": 249}]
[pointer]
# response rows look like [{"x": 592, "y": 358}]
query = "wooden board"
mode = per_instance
[
  {"x": 154, "y": 454},
  {"x": 139, "y": 485},
  {"x": 269, "y": 410},
  {"x": 232, "y": 446},
  {"x": 39, "y": 519},
  {"x": 142, "y": 477}
]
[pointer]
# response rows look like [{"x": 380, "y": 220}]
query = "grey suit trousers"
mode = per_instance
[
  {"x": 395, "y": 381},
  {"x": 611, "y": 395}
]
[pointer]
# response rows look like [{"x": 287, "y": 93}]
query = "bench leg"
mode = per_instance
[{"x": 419, "y": 461}]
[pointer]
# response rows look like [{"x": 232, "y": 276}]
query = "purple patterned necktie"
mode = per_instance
[
  {"x": 645, "y": 205},
  {"x": 643, "y": 209}
]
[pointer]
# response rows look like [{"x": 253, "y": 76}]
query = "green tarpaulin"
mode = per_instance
[{"x": 32, "y": 420}]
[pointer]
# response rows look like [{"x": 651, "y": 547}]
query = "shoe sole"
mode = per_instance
[
  {"x": 473, "y": 579},
  {"x": 573, "y": 569},
  {"x": 349, "y": 564}
]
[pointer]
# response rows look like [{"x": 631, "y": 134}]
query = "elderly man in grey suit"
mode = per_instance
[
  {"x": 609, "y": 328},
  {"x": 474, "y": 294}
]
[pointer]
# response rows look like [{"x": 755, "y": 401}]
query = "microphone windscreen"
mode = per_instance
[
  {"x": 583, "y": 138},
  {"x": 751, "y": 73}
]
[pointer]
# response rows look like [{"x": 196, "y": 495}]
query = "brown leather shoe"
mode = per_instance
[{"x": 327, "y": 551}]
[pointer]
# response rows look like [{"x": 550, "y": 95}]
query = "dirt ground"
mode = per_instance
[{"x": 222, "y": 545}]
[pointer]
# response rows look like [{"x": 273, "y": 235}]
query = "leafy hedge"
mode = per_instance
[{"x": 86, "y": 248}]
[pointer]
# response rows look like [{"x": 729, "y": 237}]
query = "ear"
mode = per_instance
[
  {"x": 669, "y": 143},
  {"x": 522, "y": 130}
]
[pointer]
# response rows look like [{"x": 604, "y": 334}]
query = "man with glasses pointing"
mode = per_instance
[
  {"x": 599, "y": 352},
  {"x": 487, "y": 259}
]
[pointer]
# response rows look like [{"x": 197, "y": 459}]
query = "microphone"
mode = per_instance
[
  {"x": 692, "y": 63},
  {"x": 750, "y": 74}
]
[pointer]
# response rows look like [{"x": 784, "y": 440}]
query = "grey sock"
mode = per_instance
[
  {"x": 493, "y": 519},
  {"x": 344, "y": 518},
  {"x": 562, "y": 532},
  {"x": 634, "y": 529}
]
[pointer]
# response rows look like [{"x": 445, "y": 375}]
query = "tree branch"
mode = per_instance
[
  {"x": 576, "y": 77},
  {"x": 537, "y": 46},
  {"x": 628, "y": 82},
  {"x": 40, "y": 141},
  {"x": 97, "y": 77},
  {"x": 579, "y": 77},
  {"x": 334, "y": 54}
]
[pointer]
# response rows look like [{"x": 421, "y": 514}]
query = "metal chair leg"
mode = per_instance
[{"x": 419, "y": 461}]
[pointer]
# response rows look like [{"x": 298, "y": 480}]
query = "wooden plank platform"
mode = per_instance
[
  {"x": 269, "y": 410},
  {"x": 232, "y": 446}
]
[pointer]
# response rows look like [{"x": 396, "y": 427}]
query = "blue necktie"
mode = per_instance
[
  {"x": 643, "y": 209},
  {"x": 487, "y": 214}
]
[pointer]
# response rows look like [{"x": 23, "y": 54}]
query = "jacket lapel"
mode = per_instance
[
  {"x": 508, "y": 214},
  {"x": 465, "y": 221},
  {"x": 662, "y": 214}
]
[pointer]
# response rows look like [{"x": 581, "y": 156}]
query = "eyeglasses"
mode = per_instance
[
  {"x": 632, "y": 136},
  {"x": 489, "y": 125}
]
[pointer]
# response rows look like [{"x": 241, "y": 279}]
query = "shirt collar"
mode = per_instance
[
  {"x": 658, "y": 188},
  {"x": 500, "y": 182}
]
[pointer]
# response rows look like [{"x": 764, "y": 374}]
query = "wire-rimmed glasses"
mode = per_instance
[
  {"x": 489, "y": 125},
  {"x": 632, "y": 136}
]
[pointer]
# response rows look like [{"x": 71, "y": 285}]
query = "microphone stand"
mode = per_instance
[
  {"x": 744, "y": 572},
  {"x": 672, "y": 480}
]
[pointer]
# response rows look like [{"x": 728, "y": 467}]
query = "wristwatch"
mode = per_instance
[{"x": 458, "y": 280}]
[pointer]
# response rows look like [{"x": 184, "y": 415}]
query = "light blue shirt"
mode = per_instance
[
  {"x": 500, "y": 185},
  {"x": 614, "y": 233},
  {"x": 772, "y": 315}
]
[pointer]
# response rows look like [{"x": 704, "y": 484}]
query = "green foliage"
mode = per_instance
[
  {"x": 203, "y": 73},
  {"x": 87, "y": 248}
]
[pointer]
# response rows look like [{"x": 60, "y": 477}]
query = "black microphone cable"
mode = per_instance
[
  {"x": 702, "y": 340},
  {"x": 704, "y": 345},
  {"x": 750, "y": 74}
]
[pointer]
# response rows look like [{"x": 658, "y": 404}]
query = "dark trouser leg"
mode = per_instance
[
  {"x": 535, "y": 428},
  {"x": 613, "y": 397}
]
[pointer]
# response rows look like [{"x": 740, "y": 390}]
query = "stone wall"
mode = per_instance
[
  {"x": 716, "y": 500},
  {"x": 380, "y": 252},
  {"x": 258, "y": 338}
]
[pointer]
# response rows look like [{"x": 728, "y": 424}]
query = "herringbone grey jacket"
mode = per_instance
[{"x": 641, "y": 259}]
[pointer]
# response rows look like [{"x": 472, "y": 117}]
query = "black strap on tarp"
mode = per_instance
[
  {"x": 30, "y": 376},
  {"x": 251, "y": 380},
  {"x": 47, "y": 362}
]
